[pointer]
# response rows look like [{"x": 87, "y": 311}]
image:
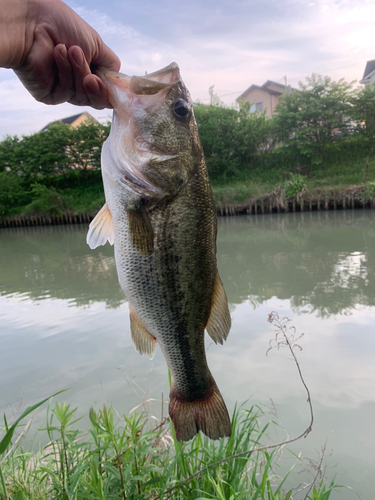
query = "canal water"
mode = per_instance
[{"x": 64, "y": 324}]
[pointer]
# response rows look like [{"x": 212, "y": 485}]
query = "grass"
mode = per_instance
[
  {"x": 133, "y": 457},
  {"x": 339, "y": 177}
]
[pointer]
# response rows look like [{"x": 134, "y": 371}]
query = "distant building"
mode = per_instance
[
  {"x": 369, "y": 74},
  {"x": 265, "y": 97},
  {"x": 73, "y": 121}
]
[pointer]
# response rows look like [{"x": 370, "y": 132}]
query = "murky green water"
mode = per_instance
[{"x": 64, "y": 323}]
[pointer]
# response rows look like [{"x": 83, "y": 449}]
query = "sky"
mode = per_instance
[{"x": 228, "y": 44}]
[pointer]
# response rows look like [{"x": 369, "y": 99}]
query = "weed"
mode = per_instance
[{"x": 295, "y": 185}]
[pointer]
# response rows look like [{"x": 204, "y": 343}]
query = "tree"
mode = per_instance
[
  {"x": 309, "y": 119},
  {"x": 363, "y": 112},
  {"x": 38, "y": 155},
  {"x": 7, "y": 151},
  {"x": 85, "y": 145},
  {"x": 233, "y": 140},
  {"x": 54, "y": 152},
  {"x": 216, "y": 126}
]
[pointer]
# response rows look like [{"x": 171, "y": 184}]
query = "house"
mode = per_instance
[
  {"x": 265, "y": 97},
  {"x": 369, "y": 74},
  {"x": 73, "y": 121}
]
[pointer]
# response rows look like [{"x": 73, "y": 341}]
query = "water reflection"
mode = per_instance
[
  {"x": 55, "y": 262},
  {"x": 321, "y": 262}
]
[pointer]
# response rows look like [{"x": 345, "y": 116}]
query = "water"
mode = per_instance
[{"x": 64, "y": 323}]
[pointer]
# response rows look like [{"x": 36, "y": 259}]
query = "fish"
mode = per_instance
[{"x": 161, "y": 218}]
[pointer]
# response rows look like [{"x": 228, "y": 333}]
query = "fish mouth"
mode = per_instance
[
  {"x": 149, "y": 84},
  {"x": 130, "y": 151}
]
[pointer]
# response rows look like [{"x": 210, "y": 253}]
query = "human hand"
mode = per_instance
[{"x": 60, "y": 52}]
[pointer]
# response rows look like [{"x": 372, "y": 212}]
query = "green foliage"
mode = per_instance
[
  {"x": 12, "y": 192},
  {"x": 85, "y": 145},
  {"x": 216, "y": 125},
  {"x": 7, "y": 151},
  {"x": 363, "y": 112},
  {"x": 54, "y": 152},
  {"x": 294, "y": 185},
  {"x": 36, "y": 169},
  {"x": 324, "y": 124},
  {"x": 125, "y": 458},
  {"x": 309, "y": 119},
  {"x": 6, "y": 441},
  {"x": 45, "y": 200},
  {"x": 369, "y": 190},
  {"x": 233, "y": 140}
]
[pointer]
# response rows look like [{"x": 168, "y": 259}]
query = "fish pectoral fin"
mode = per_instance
[
  {"x": 219, "y": 322},
  {"x": 101, "y": 229},
  {"x": 141, "y": 231},
  {"x": 143, "y": 341}
]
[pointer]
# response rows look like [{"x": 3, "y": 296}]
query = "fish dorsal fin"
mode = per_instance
[
  {"x": 141, "y": 231},
  {"x": 101, "y": 229},
  {"x": 143, "y": 341},
  {"x": 219, "y": 322}
]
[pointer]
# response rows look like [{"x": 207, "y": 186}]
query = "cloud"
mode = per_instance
[{"x": 227, "y": 44}]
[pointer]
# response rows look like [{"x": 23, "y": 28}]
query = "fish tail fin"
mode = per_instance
[{"x": 208, "y": 414}]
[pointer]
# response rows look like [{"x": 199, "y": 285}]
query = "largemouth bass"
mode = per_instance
[{"x": 160, "y": 216}]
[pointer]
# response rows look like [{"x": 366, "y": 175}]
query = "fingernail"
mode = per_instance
[
  {"x": 78, "y": 57},
  {"x": 63, "y": 51},
  {"x": 93, "y": 86}
]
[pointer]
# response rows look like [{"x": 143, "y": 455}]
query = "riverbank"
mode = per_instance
[{"x": 355, "y": 196}]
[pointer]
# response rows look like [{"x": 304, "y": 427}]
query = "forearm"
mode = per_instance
[{"x": 16, "y": 32}]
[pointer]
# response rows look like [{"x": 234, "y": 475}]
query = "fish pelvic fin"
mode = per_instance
[
  {"x": 141, "y": 231},
  {"x": 208, "y": 414},
  {"x": 219, "y": 322},
  {"x": 143, "y": 341},
  {"x": 101, "y": 229}
]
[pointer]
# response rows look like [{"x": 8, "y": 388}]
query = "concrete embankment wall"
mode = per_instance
[
  {"x": 45, "y": 220},
  {"x": 267, "y": 206},
  {"x": 254, "y": 207}
]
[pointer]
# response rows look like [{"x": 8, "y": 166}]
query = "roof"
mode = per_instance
[
  {"x": 370, "y": 68},
  {"x": 266, "y": 89},
  {"x": 369, "y": 71},
  {"x": 68, "y": 121}
]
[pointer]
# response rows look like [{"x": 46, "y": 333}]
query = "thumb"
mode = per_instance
[{"x": 106, "y": 57}]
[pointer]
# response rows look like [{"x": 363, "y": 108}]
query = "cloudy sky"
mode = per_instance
[{"x": 229, "y": 44}]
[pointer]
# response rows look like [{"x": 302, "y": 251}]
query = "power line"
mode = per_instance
[
  {"x": 332, "y": 69},
  {"x": 283, "y": 78},
  {"x": 223, "y": 95}
]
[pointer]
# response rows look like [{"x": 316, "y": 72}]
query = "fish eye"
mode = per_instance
[{"x": 181, "y": 108}]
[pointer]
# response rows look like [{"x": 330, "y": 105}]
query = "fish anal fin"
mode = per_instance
[
  {"x": 143, "y": 341},
  {"x": 208, "y": 414},
  {"x": 219, "y": 322},
  {"x": 101, "y": 229},
  {"x": 141, "y": 231}
]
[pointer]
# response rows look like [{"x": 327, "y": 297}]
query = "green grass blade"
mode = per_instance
[{"x": 4, "y": 443}]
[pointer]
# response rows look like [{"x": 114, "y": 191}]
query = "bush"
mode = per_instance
[
  {"x": 294, "y": 185},
  {"x": 233, "y": 140},
  {"x": 12, "y": 192},
  {"x": 46, "y": 200}
]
